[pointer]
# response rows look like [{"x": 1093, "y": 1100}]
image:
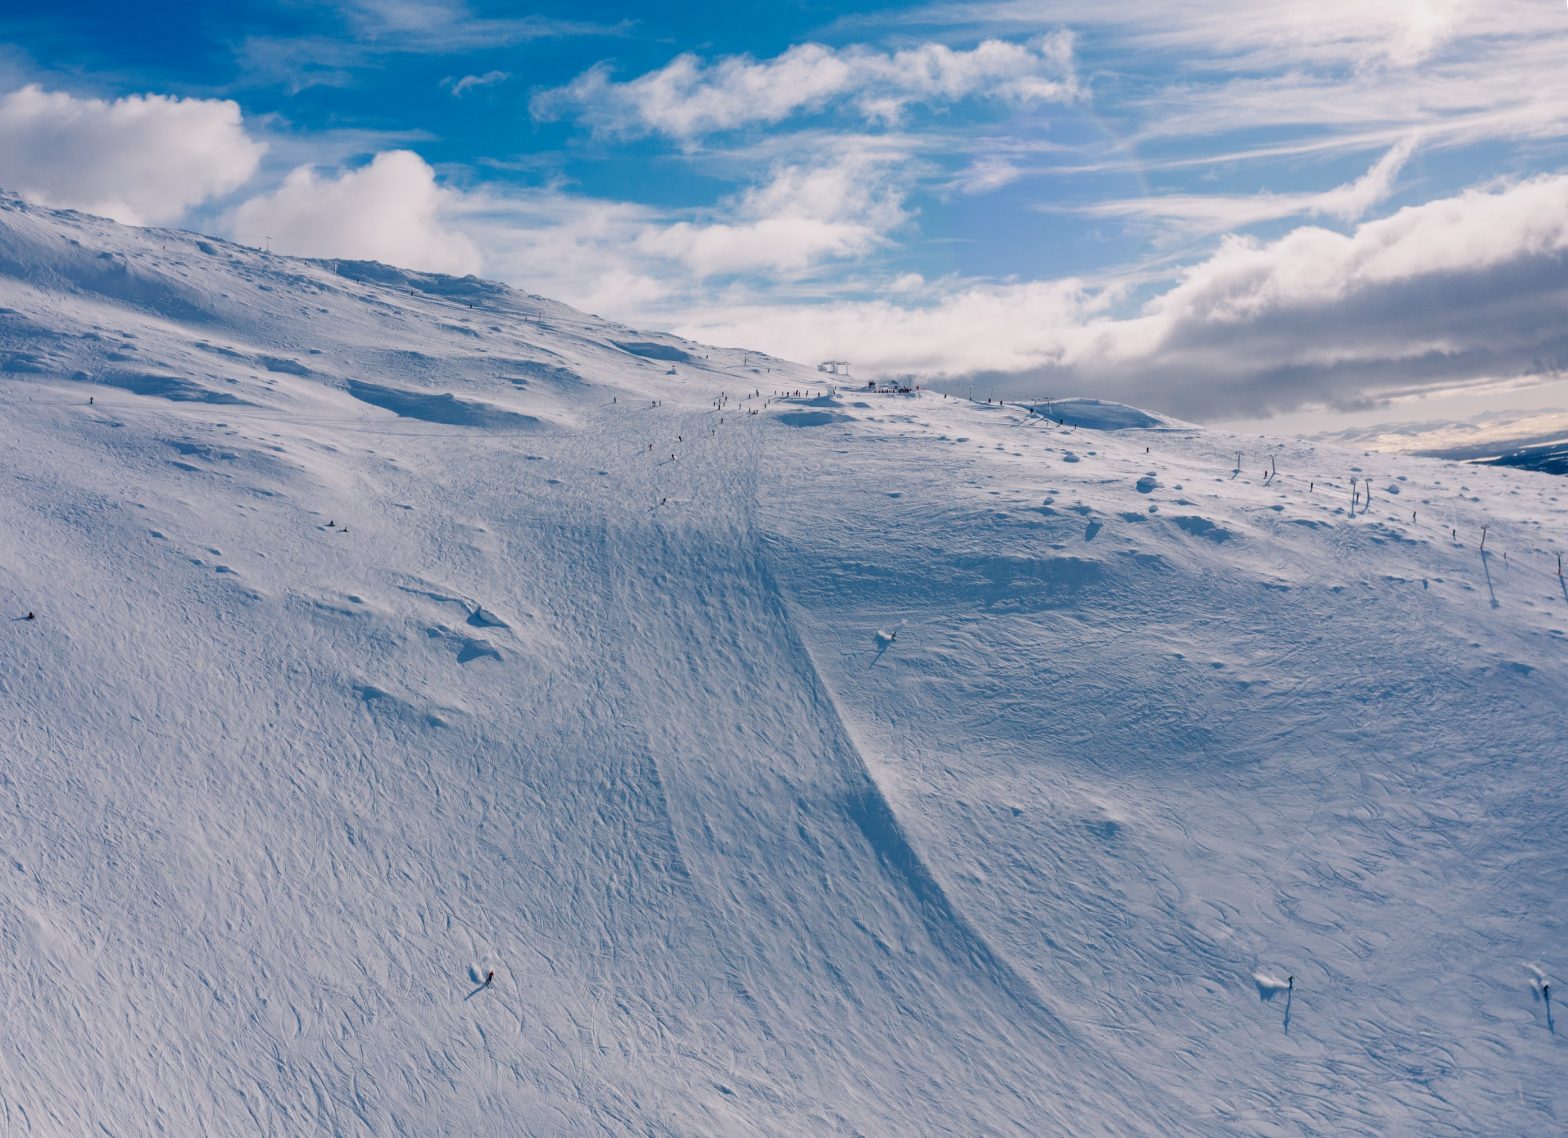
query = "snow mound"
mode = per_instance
[
  {"x": 810, "y": 418},
  {"x": 171, "y": 387},
  {"x": 1102, "y": 415},
  {"x": 653, "y": 350},
  {"x": 1269, "y": 985},
  {"x": 443, "y": 408}
]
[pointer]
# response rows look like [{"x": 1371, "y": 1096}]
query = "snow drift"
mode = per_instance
[{"x": 889, "y": 777}]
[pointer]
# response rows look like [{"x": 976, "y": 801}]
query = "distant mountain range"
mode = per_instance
[{"x": 1549, "y": 458}]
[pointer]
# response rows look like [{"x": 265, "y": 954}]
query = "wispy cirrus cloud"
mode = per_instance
[
  {"x": 445, "y": 26},
  {"x": 1313, "y": 75},
  {"x": 1189, "y": 214},
  {"x": 688, "y": 97},
  {"x": 346, "y": 38},
  {"x": 1241, "y": 34}
]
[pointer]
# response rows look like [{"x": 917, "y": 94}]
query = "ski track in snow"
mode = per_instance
[{"x": 878, "y": 765}]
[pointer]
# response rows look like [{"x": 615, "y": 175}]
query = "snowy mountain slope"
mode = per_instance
[{"x": 864, "y": 765}]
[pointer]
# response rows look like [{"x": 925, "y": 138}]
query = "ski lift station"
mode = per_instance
[{"x": 893, "y": 385}]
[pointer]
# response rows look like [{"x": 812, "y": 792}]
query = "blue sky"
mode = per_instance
[{"x": 1225, "y": 210}]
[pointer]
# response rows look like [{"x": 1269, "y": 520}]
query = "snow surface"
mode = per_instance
[{"x": 867, "y": 767}]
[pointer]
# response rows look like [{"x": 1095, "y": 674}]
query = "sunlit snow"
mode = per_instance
[{"x": 802, "y": 760}]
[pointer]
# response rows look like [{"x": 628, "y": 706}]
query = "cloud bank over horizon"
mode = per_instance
[{"x": 1433, "y": 296}]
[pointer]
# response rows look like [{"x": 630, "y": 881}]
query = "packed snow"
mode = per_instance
[{"x": 801, "y": 760}]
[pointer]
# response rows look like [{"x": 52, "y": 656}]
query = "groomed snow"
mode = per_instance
[{"x": 831, "y": 763}]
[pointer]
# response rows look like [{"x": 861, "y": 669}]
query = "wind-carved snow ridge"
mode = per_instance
[
  {"x": 872, "y": 815},
  {"x": 800, "y": 760}
]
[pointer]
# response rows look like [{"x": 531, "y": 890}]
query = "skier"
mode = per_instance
[
  {"x": 489, "y": 977},
  {"x": 29, "y": 616}
]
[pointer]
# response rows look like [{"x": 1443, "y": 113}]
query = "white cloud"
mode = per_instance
[
  {"x": 468, "y": 82},
  {"x": 688, "y": 98},
  {"x": 568, "y": 247},
  {"x": 1354, "y": 199},
  {"x": 391, "y": 210},
  {"x": 1457, "y": 290},
  {"x": 1216, "y": 213},
  {"x": 802, "y": 216},
  {"x": 986, "y": 174},
  {"x": 1002, "y": 328},
  {"x": 142, "y": 159}
]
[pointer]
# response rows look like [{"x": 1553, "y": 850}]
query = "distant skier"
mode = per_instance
[
  {"x": 1290, "y": 983},
  {"x": 489, "y": 977},
  {"x": 30, "y": 616}
]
